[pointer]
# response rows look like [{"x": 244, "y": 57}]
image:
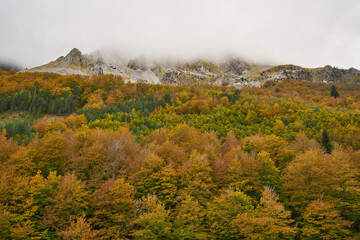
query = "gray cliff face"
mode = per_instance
[
  {"x": 232, "y": 72},
  {"x": 354, "y": 71},
  {"x": 325, "y": 74},
  {"x": 139, "y": 63},
  {"x": 331, "y": 74},
  {"x": 75, "y": 57},
  {"x": 96, "y": 70},
  {"x": 74, "y": 63},
  {"x": 235, "y": 67},
  {"x": 171, "y": 77}
]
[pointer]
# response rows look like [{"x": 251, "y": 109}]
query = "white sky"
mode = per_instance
[{"x": 310, "y": 33}]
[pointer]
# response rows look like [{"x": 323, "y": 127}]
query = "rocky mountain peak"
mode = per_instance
[
  {"x": 75, "y": 57},
  {"x": 236, "y": 66},
  {"x": 74, "y": 52},
  {"x": 354, "y": 71},
  {"x": 70, "y": 56}
]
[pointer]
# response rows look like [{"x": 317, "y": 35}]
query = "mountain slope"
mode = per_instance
[
  {"x": 234, "y": 71},
  {"x": 323, "y": 74}
]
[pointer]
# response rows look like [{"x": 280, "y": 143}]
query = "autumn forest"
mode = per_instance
[{"x": 94, "y": 157}]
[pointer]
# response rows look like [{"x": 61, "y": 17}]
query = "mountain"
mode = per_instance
[
  {"x": 323, "y": 74},
  {"x": 233, "y": 71}
]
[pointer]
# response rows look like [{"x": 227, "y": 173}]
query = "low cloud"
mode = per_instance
[{"x": 307, "y": 33}]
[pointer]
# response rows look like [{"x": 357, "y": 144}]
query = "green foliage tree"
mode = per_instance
[
  {"x": 325, "y": 142},
  {"x": 269, "y": 220},
  {"x": 334, "y": 92},
  {"x": 153, "y": 220},
  {"x": 189, "y": 222},
  {"x": 196, "y": 178},
  {"x": 223, "y": 210},
  {"x": 268, "y": 173},
  {"x": 5, "y": 224}
]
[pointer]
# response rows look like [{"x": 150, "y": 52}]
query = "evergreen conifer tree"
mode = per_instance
[
  {"x": 334, "y": 92},
  {"x": 325, "y": 142}
]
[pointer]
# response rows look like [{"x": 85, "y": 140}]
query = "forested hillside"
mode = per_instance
[{"x": 96, "y": 158}]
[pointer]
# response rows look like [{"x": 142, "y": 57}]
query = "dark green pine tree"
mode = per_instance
[
  {"x": 334, "y": 92},
  {"x": 325, "y": 142},
  {"x": 167, "y": 97}
]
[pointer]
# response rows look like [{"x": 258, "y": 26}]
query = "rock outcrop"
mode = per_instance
[
  {"x": 324, "y": 74},
  {"x": 233, "y": 72}
]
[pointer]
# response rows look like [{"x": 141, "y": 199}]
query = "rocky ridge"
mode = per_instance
[{"x": 234, "y": 71}]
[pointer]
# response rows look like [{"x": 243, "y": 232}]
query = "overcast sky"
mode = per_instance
[{"x": 310, "y": 33}]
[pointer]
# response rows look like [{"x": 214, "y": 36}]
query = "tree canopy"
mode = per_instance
[{"x": 98, "y": 158}]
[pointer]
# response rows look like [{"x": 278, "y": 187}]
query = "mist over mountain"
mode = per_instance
[
  {"x": 8, "y": 65},
  {"x": 232, "y": 70},
  {"x": 306, "y": 33}
]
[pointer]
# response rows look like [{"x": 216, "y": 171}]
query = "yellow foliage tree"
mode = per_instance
[
  {"x": 79, "y": 228},
  {"x": 113, "y": 206},
  {"x": 323, "y": 221},
  {"x": 269, "y": 220}
]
